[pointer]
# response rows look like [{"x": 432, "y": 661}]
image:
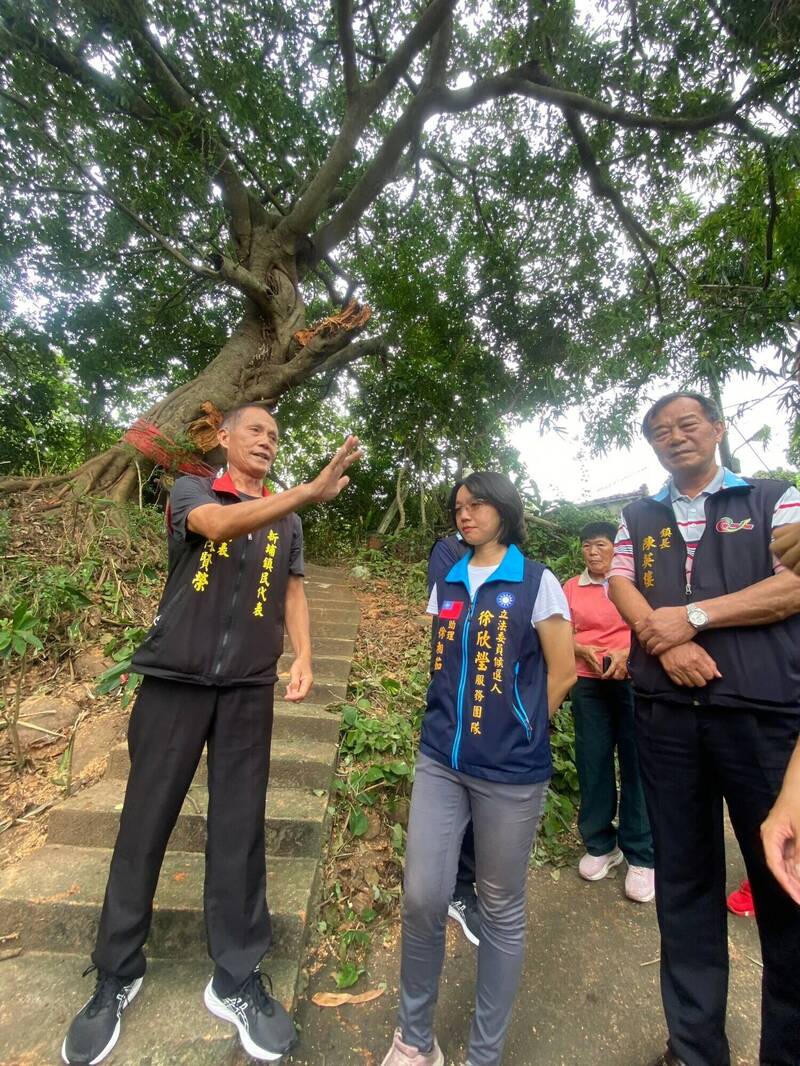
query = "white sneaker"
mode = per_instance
[
  {"x": 401, "y": 1054},
  {"x": 595, "y": 867},
  {"x": 640, "y": 884}
]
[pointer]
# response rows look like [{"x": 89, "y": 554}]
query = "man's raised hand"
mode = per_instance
[{"x": 330, "y": 481}]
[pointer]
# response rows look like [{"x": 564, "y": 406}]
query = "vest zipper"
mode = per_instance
[
  {"x": 517, "y": 707},
  {"x": 226, "y": 633},
  {"x": 684, "y": 560},
  {"x": 461, "y": 685}
]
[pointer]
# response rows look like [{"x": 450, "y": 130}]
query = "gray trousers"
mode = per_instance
[{"x": 505, "y": 819}]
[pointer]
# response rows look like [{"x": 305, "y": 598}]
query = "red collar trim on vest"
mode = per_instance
[{"x": 225, "y": 484}]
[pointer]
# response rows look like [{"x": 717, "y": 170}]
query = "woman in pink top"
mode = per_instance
[{"x": 602, "y": 704}]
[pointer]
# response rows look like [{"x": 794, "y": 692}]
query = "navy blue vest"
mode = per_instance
[
  {"x": 487, "y": 701},
  {"x": 760, "y": 665}
]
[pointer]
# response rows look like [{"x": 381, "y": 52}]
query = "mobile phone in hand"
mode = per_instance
[{"x": 606, "y": 663}]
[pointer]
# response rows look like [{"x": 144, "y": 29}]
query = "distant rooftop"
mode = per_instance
[{"x": 619, "y": 499}]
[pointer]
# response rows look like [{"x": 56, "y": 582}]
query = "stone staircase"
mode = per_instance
[{"x": 52, "y": 899}]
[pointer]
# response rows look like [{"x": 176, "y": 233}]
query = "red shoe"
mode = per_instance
[{"x": 741, "y": 901}]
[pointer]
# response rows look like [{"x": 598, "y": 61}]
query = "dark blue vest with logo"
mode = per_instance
[
  {"x": 760, "y": 665},
  {"x": 487, "y": 701}
]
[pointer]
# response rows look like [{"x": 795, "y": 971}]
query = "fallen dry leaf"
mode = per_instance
[{"x": 338, "y": 999}]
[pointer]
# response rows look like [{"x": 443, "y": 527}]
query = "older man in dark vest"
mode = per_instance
[
  {"x": 715, "y": 663},
  {"x": 209, "y": 664}
]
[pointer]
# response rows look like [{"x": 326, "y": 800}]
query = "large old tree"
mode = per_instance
[{"x": 198, "y": 194}]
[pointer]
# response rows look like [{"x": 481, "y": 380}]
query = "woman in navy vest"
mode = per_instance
[{"x": 501, "y": 660}]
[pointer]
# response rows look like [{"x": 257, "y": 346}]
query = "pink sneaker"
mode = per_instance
[
  {"x": 595, "y": 867},
  {"x": 640, "y": 884},
  {"x": 401, "y": 1054}
]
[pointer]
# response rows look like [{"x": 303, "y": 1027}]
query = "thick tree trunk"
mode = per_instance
[
  {"x": 269, "y": 352},
  {"x": 258, "y": 363},
  {"x": 240, "y": 372}
]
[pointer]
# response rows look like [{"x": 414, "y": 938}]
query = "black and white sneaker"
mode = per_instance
[
  {"x": 463, "y": 908},
  {"x": 95, "y": 1028},
  {"x": 265, "y": 1029}
]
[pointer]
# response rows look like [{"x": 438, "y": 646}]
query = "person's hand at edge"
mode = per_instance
[
  {"x": 301, "y": 678},
  {"x": 786, "y": 546},
  {"x": 780, "y": 832}
]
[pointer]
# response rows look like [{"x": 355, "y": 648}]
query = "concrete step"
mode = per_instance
[
  {"x": 320, "y": 698},
  {"x": 294, "y": 819},
  {"x": 327, "y": 668},
  {"x": 325, "y": 592},
  {"x": 302, "y": 721},
  {"x": 329, "y": 643},
  {"x": 334, "y": 622},
  {"x": 166, "y": 1025},
  {"x": 53, "y": 898},
  {"x": 327, "y": 574},
  {"x": 297, "y": 762},
  {"x": 323, "y": 691}
]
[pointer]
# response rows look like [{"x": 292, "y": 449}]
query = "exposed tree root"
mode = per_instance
[{"x": 115, "y": 475}]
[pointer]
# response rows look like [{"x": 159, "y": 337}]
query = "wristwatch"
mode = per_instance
[{"x": 696, "y": 616}]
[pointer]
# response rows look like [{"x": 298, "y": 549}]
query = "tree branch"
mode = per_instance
[
  {"x": 211, "y": 142},
  {"x": 602, "y": 187},
  {"x": 341, "y": 273},
  {"x": 470, "y": 184},
  {"x": 400, "y": 60},
  {"x": 208, "y": 137},
  {"x": 377, "y": 43},
  {"x": 22, "y": 33},
  {"x": 769, "y": 164},
  {"x": 531, "y": 81},
  {"x": 476, "y": 199},
  {"x": 232, "y": 272},
  {"x": 100, "y": 188},
  {"x": 384, "y": 164},
  {"x": 354, "y": 350},
  {"x": 344, "y": 25},
  {"x": 308, "y": 362},
  {"x": 360, "y": 109},
  {"x": 731, "y": 27},
  {"x": 327, "y": 281},
  {"x": 636, "y": 41}
]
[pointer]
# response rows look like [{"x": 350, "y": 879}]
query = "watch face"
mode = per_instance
[{"x": 697, "y": 616}]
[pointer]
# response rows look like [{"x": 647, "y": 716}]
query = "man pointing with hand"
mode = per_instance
[{"x": 235, "y": 579}]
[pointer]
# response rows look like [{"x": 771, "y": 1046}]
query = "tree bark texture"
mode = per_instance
[{"x": 261, "y": 360}]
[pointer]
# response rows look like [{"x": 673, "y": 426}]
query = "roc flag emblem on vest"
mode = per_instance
[{"x": 451, "y": 609}]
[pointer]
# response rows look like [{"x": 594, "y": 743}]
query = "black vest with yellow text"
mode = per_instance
[
  {"x": 760, "y": 665},
  {"x": 221, "y": 617}
]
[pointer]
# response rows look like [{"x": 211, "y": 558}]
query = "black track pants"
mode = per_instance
[
  {"x": 169, "y": 726},
  {"x": 691, "y": 758}
]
